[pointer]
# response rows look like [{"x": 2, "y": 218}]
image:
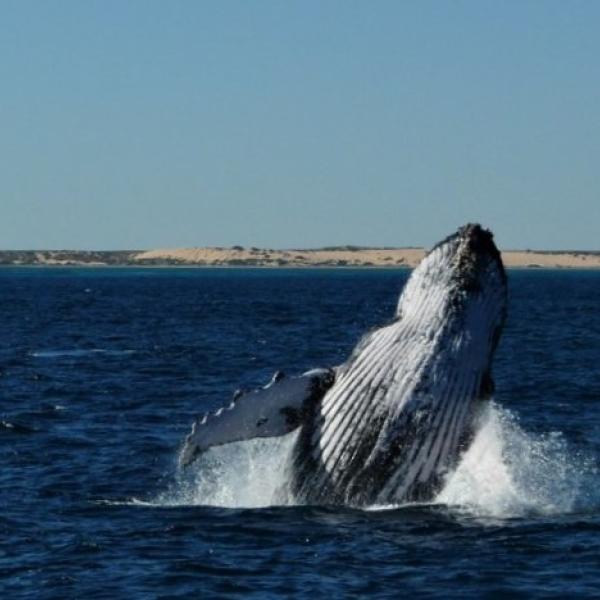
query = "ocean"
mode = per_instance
[{"x": 102, "y": 372}]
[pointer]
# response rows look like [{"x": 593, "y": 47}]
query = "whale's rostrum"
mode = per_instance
[{"x": 388, "y": 424}]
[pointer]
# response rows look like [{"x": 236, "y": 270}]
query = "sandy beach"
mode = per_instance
[
  {"x": 353, "y": 257},
  {"x": 236, "y": 256}
]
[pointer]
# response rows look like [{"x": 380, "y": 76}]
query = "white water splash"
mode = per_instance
[
  {"x": 249, "y": 474},
  {"x": 505, "y": 473},
  {"x": 508, "y": 472}
]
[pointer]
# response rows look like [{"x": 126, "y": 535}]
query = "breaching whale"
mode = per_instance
[{"x": 390, "y": 423}]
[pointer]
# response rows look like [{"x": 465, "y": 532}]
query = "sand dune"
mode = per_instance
[
  {"x": 347, "y": 256},
  {"x": 405, "y": 257}
]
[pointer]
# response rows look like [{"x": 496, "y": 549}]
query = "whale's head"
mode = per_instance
[{"x": 460, "y": 287}]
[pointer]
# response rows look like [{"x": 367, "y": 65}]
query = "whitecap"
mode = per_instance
[{"x": 77, "y": 353}]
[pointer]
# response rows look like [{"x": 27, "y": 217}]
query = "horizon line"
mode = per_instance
[{"x": 239, "y": 247}]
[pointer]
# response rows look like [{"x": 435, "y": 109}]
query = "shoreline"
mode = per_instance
[
  {"x": 345, "y": 257},
  {"x": 87, "y": 267}
]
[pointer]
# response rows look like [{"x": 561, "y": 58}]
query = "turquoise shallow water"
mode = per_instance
[{"x": 102, "y": 371}]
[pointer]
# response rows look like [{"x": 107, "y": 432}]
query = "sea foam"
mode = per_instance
[
  {"x": 509, "y": 472},
  {"x": 506, "y": 472}
]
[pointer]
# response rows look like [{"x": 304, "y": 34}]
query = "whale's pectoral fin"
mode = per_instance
[{"x": 270, "y": 411}]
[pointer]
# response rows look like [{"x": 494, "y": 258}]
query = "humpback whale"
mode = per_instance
[{"x": 389, "y": 424}]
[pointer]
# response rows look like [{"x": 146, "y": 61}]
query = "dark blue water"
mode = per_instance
[{"x": 102, "y": 372}]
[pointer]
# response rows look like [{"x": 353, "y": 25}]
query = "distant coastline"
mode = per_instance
[{"x": 237, "y": 256}]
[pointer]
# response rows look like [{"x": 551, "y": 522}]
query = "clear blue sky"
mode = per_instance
[{"x": 128, "y": 124}]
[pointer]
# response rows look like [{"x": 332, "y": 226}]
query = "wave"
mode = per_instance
[
  {"x": 12, "y": 427},
  {"x": 507, "y": 472},
  {"x": 77, "y": 353}
]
